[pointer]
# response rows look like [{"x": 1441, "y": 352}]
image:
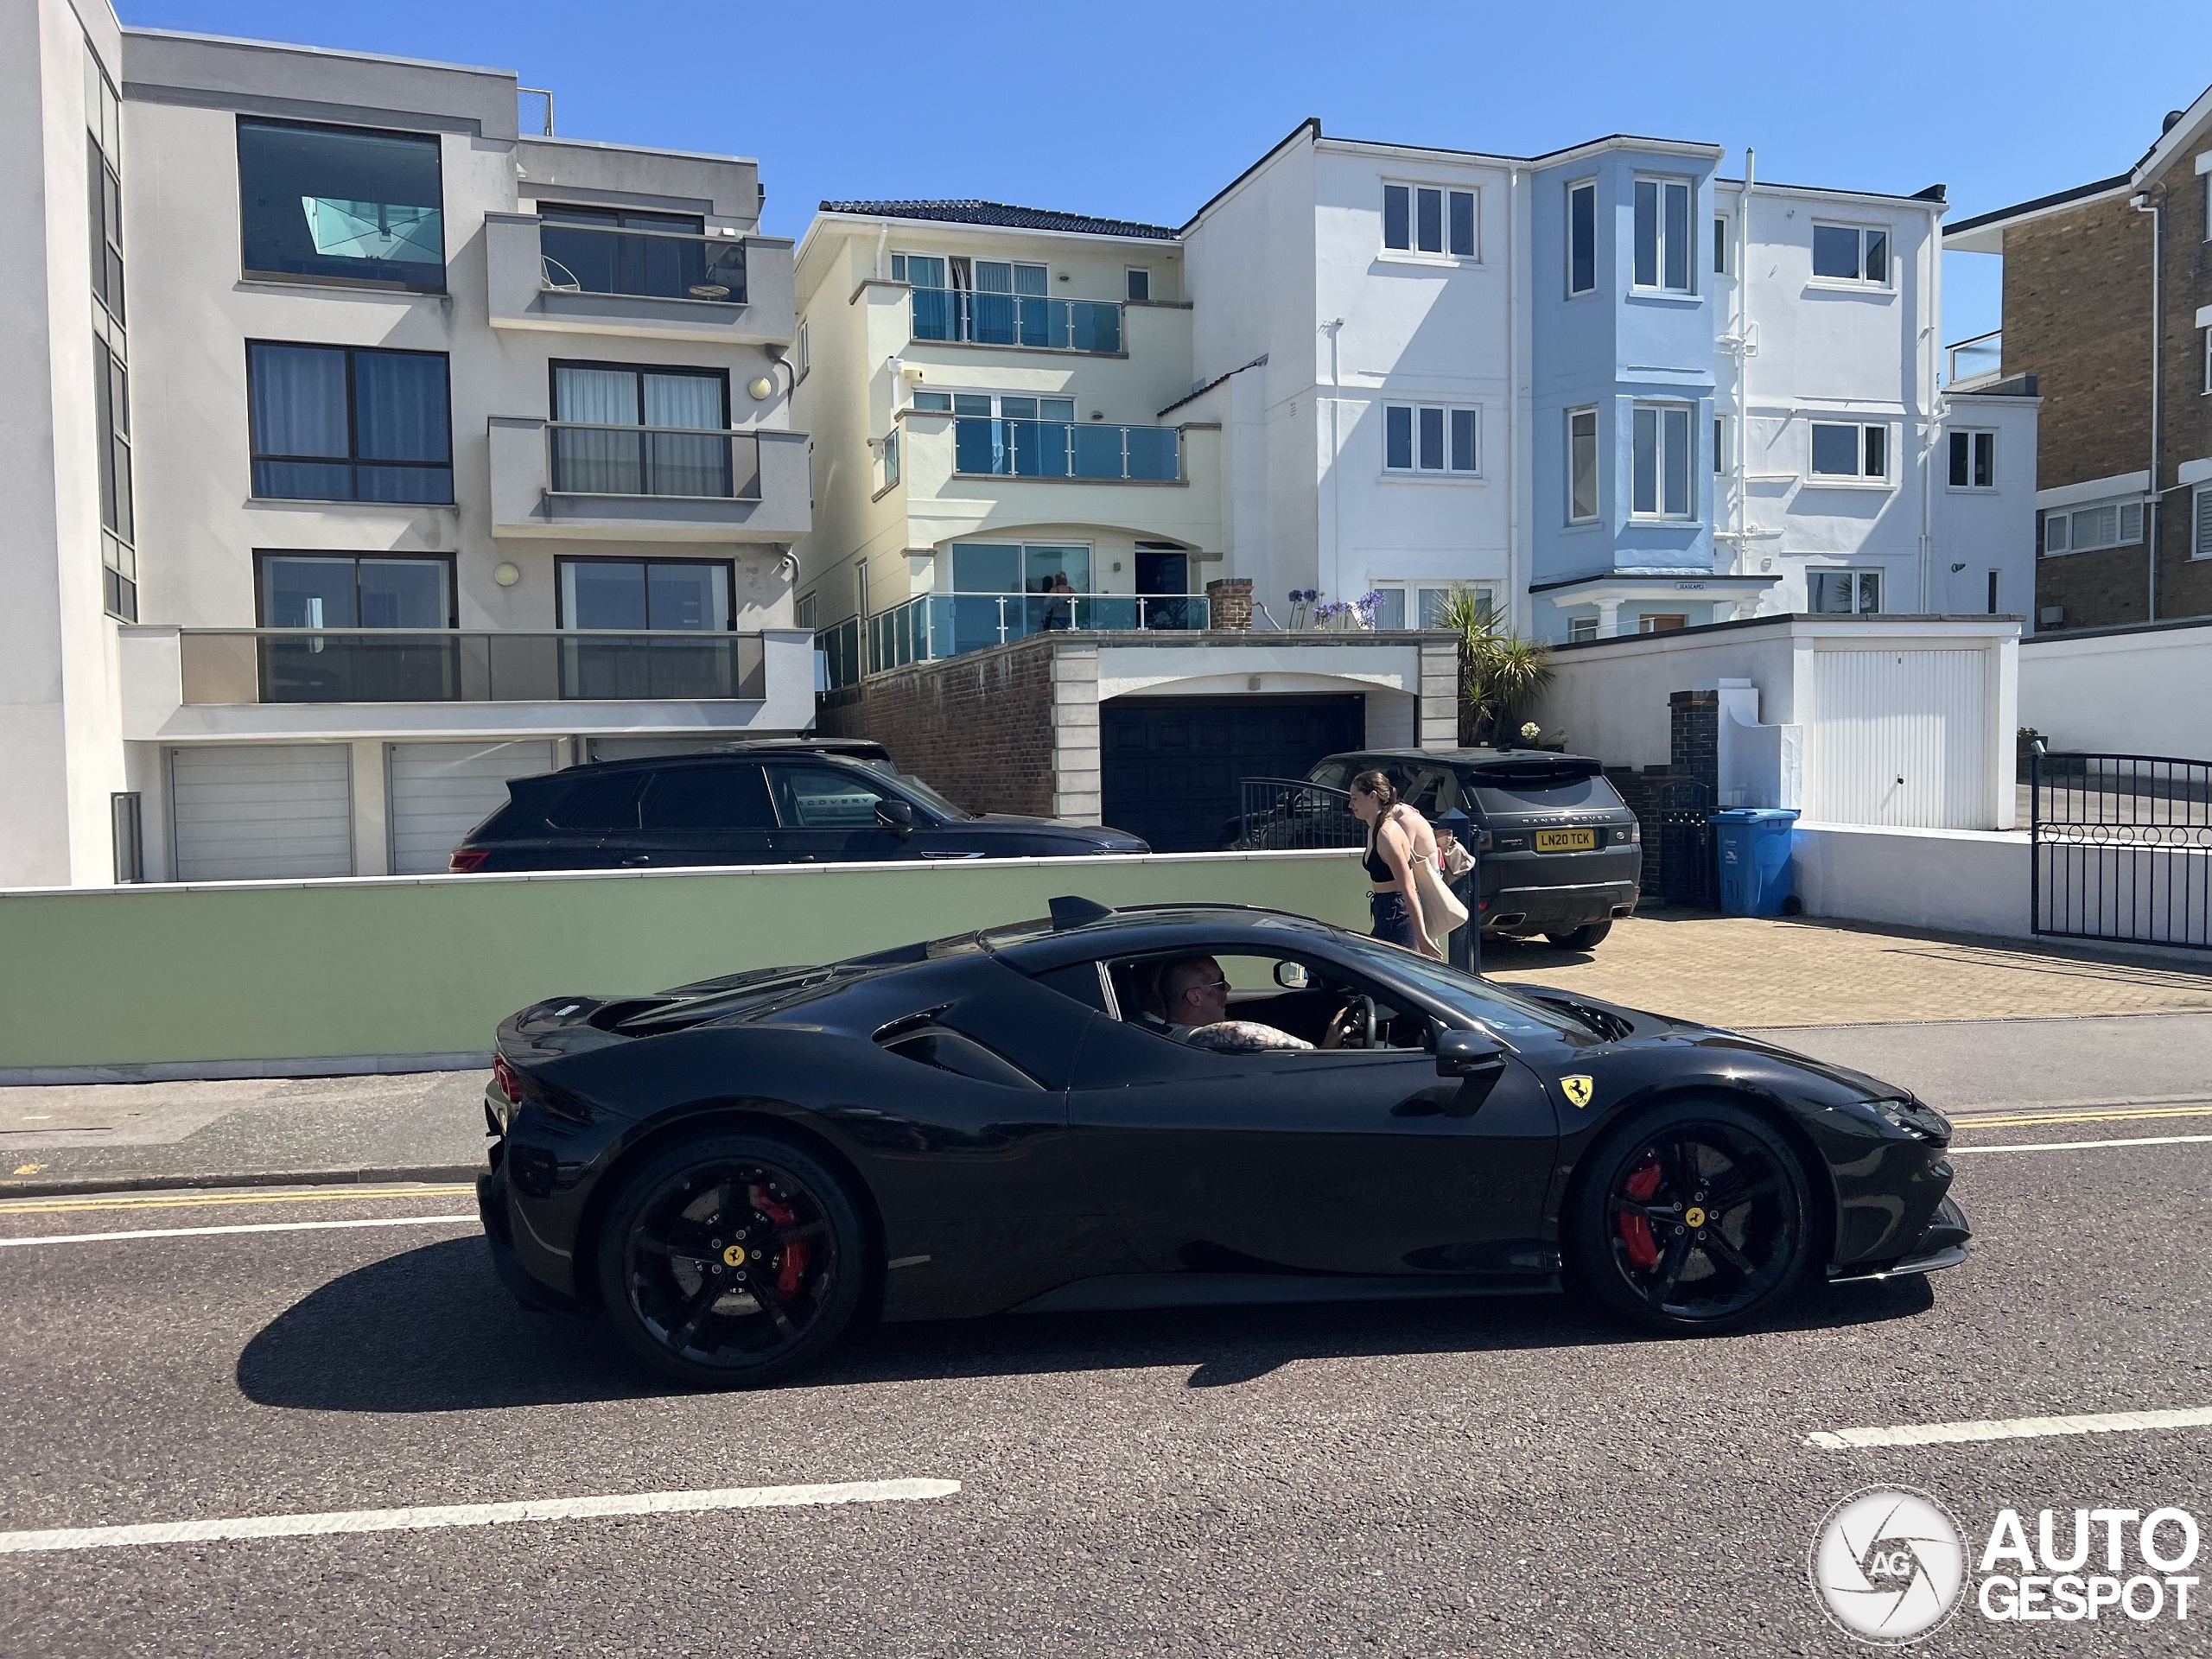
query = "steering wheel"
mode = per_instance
[{"x": 1361, "y": 1006}]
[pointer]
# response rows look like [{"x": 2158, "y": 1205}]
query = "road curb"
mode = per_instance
[{"x": 71, "y": 1185}]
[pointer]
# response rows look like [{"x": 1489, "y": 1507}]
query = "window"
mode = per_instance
[
  {"x": 1582, "y": 237},
  {"x": 1422, "y": 607},
  {"x": 2207, "y": 335},
  {"x": 1850, "y": 451},
  {"x": 1581, "y": 466},
  {"x": 1580, "y": 628},
  {"x": 805, "y": 359},
  {"x": 707, "y": 798},
  {"x": 346, "y": 590},
  {"x": 103, "y": 181},
  {"x": 2093, "y": 525},
  {"x": 1429, "y": 438},
  {"x": 1428, "y": 218},
  {"x": 349, "y": 423},
  {"x": 1661, "y": 462},
  {"x": 111, "y": 419},
  {"x": 891, "y": 459},
  {"x": 1974, "y": 460},
  {"x": 110, "y": 377},
  {"x": 1850, "y": 253},
  {"x": 1137, "y": 284},
  {"x": 2200, "y": 537},
  {"x": 1843, "y": 593},
  {"x": 1992, "y": 593},
  {"x": 1650, "y": 622},
  {"x": 127, "y": 824},
  {"x": 642, "y": 596},
  {"x": 341, "y": 204},
  {"x": 635, "y": 431},
  {"x": 623, "y": 251},
  {"x": 1721, "y": 452},
  {"x": 1662, "y": 234},
  {"x": 1720, "y": 245},
  {"x": 824, "y": 798}
]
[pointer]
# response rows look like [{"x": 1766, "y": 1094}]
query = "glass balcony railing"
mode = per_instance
[
  {"x": 933, "y": 626},
  {"x": 1972, "y": 359},
  {"x": 590, "y": 460},
  {"x": 960, "y": 314},
  {"x": 1065, "y": 449},
  {"x": 650, "y": 264},
  {"x": 261, "y": 665}
]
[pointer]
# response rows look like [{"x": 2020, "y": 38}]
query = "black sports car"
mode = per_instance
[{"x": 733, "y": 1172}]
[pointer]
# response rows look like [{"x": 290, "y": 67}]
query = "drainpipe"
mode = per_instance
[
  {"x": 1743, "y": 503},
  {"x": 1335, "y": 326},
  {"x": 1515, "y": 427},
  {"x": 2141, "y": 202},
  {"x": 882, "y": 240},
  {"x": 1931, "y": 308}
]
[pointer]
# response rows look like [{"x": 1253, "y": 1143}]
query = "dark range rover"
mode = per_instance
[{"x": 798, "y": 803}]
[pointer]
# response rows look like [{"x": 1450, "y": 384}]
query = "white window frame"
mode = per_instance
[
  {"x": 1858, "y": 574},
  {"x": 1131, "y": 275},
  {"x": 2128, "y": 516},
  {"x": 887, "y": 448},
  {"x": 1862, "y": 478},
  {"x": 1414, "y": 591},
  {"x": 1977, "y": 438},
  {"x": 1597, "y": 468},
  {"x": 1661, "y": 184},
  {"x": 1723, "y": 245},
  {"x": 1447, "y": 417},
  {"x": 1442, "y": 253},
  {"x": 1666, "y": 416},
  {"x": 2200, "y": 520},
  {"x": 1580, "y": 628},
  {"x": 1577, "y": 187},
  {"x": 1724, "y": 447},
  {"x": 1881, "y": 284},
  {"x": 805, "y": 356},
  {"x": 2207, "y": 333}
]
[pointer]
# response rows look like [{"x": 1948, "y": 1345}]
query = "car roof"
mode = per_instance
[
  {"x": 1036, "y": 946},
  {"x": 1470, "y": 757},
  {"x": 832, "y": 748}
]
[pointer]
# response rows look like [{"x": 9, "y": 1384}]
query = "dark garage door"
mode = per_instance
[{"x": 1171, "y": 765}]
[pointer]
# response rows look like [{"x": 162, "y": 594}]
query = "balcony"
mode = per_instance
[
  {"x": 317, "y": 665},
  {"x": 933, "y": 626},
  {"x": 654, "y": 483},
  {"x": 1030, "y": 322},
  {"x": 658, "y": 284},
  {"x": 1973, "y": 361},
  {"x": 1134, "y": 455}
]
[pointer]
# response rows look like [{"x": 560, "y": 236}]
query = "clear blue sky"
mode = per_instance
[{"x": 1142, "y": 111}]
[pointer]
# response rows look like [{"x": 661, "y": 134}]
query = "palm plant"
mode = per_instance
[{"x": 1500, "y": 673}]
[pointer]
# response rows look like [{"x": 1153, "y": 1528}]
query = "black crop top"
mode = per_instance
[{"x": 1377, "y": 869}]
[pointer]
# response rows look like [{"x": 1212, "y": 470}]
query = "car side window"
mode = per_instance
[
  {"x": 709, "y": 797},
  {"x": 1433, "y": 790},
  {"x": 1267, "y": 996},
  {"x": 1332, "y": 774},
  {"x": 824, "y": 798},
  {"x": 598, "y": 804}
]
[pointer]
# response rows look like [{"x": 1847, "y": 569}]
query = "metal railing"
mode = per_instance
[
  {"x": 964, "y": 315},
  {"x": 648, "y": 264},
  {"x": 2122, "y": 848},
  {"x": 1278, "y": 814},
  {"x": 261, "y": 665},
  {"x": 997, "y": 449},
  {"x": 1972, "y": 357},
  {"x": 931, "y": 626},
  {"x": 662, "y": 460}
]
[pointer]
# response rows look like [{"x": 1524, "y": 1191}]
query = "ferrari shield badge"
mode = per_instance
[{"x": 1577, "y": 1091}]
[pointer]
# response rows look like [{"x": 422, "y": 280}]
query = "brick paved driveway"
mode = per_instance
[{"x": 1747, "y": 971}]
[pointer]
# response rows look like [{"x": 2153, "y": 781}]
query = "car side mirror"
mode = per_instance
[
  {"x": 1468, "y": 1054},
  {"x": 896, "y": 816},
  {"x": 1292, "y": 976}
]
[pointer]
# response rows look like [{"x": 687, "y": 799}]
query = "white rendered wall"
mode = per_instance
[
  {"x": 1953, "y": 881},
  {"x": 2146, "y": 692}
]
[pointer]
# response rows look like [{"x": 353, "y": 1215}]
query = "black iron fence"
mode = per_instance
[
  {"x": 2122, "y": 848},
  {"x": 1687, "y": 873},
  {"x": 1276, "y": 814}
]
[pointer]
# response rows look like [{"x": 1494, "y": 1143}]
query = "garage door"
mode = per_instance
[
  {"x": 254, "y": 811},
  {"x": 440, "y": 791},
  {"x": 1898, "y": 737},
  {"x": 1171, "y": 765}
]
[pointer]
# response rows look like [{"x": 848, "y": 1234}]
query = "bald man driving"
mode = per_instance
[{"x": 1194, "y": 1002}]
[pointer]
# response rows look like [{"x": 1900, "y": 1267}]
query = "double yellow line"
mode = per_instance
[
  {"x": 188, "y": 1200},
  {"x": 2116, "y": 1114}
]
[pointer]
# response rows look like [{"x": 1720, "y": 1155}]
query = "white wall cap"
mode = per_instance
[{"x": 2095, "y": 489}]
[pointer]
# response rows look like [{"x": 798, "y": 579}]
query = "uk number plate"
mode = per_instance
[{"x": 1566, "y": 841}]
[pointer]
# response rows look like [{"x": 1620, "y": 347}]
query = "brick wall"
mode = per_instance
[
  {"x": 1694, "y": 746},
  {"x": 979, "y": 728}
]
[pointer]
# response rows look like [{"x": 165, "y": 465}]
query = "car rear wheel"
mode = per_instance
[
  {"x": 1694, "y": 1219},
  {"x": 732, "y": 1262},
  {"x": 1587, "y": 937}
]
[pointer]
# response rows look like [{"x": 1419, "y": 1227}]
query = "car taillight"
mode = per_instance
[
  {"x": 1636, "y": 833},
  {"x": 466, "y": 859},
  {"x": 509, "y": 1080}
]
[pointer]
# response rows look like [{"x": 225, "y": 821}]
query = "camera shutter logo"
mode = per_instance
[{"x": 1887, "y": 1564}]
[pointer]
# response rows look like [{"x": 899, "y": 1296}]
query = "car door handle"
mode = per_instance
[{"x": 638, "y": 858}]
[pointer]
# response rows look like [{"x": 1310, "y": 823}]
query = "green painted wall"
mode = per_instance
[{"x": 118, "y": 976}]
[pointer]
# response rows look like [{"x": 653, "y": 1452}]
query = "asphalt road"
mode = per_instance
[{"x": 1510, "y": 1478}]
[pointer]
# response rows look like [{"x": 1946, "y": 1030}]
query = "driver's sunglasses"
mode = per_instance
[{"x": 1210, "y": 985}]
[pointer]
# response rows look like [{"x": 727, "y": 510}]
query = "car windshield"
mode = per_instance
[
  {"x": 916, "y": 787},
  {"x": 1506, "y": 1013}
]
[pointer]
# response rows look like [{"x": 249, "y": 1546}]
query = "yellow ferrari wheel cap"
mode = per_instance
[
  {"x": 1577, "y": 1091},
  {"x": 1694, "y": 1217},
  {"x": 733, "y": 1257}
]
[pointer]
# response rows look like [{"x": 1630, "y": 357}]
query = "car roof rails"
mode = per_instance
[{"x": 1069, "y": 910}]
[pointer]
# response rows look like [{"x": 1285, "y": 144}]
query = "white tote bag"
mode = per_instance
[{"x": 1439, "y": 903}]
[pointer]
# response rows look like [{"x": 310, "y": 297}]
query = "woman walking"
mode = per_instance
[{"x": 1396, "y": 837}]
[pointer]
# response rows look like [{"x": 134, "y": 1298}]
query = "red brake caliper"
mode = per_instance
[
  {"x": 1635, "y": 1230},
  {"x": 790, "y": 1271}
]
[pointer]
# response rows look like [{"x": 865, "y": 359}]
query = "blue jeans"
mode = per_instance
[{"x": 1392, "y": 924}]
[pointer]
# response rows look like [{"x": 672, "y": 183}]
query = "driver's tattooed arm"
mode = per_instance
[{"x": 1238, "y": 1037}]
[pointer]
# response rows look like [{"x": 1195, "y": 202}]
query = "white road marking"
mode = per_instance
[
  {"x": 474, "y": 1515},
  {"x": 251, "y": 1227},
  {"x": 2010, "y": 1428},
  {"x": 2077, "y": 1146}
]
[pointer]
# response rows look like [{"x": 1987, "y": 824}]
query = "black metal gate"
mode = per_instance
[
  {"x": 1281, "y": 813},
  {"x": 1687, "y": 874},
  {"x": 2122, "y": 848}
]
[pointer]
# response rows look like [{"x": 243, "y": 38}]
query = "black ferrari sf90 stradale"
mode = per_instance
[{"x": 733, "y": 1172}]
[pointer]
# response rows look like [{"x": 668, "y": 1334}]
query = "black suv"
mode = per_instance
[
  {"x": 1566, "y": 855},
  {"x": 766, "y": 802}
]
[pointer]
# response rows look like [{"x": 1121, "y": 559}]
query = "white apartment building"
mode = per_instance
[{"x": 382, "y": 450}]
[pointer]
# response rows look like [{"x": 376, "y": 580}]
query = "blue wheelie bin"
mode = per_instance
[{"x": 1752, "y": 843}]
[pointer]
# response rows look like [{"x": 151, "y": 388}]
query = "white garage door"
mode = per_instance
[
  {"x": 1898, "y": 738},
  {"x": 440, "y": 791},
  {"x": 257, "y": 812}
]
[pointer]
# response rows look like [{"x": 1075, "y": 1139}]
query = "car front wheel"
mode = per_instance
[
  {"x": 731, "y": 1262},
  {"x": 1693, "y": 1218}
]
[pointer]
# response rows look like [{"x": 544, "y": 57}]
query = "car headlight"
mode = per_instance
[{"x": 1922, "y": 1122}]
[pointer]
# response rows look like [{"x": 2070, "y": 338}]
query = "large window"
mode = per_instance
[
  {"x": 104, "y": 180},
  {"x": 1850, "y": 253},
  {"x": 1843, "y": 593},
  {"x": 341, "y": 204},
  {"x": 1582, "y": 237},
  {"x": 1002, "y": 302},
  {"x": 637, "y": 431},
  {"x": 343, "y": 590},
  {"x": 111, "y": 417},
  {"x": 349, "y": 423},
  {"x": 1664, "y": 245},
  {"x": 1428, "y": 218},
  {"x": 1421, "y": 606},
  {"x": 1429, "y": 438},
  {"x": 1662, "y": 461},
  {"x": 2092, "y": 526},
  {"x": 643, "y": 596},
  {"x": 1974, "y": 460},
  {"x": 110, "y": 356},
  {"x": 2200, "y": 536},
  {"x": 620, "y": 250},
  {"x": 1850, "y": 450},
  {"x": 1581, "y": 466}
]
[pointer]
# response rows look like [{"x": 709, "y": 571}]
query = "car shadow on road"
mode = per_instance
[{"x": 433, "y": 1330}]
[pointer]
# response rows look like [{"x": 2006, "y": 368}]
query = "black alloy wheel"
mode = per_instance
[
  {"x": 1693, "y": 1219},
  {"x": 1588, "y": 937},
  {"x": 731, "y": 1262}
]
